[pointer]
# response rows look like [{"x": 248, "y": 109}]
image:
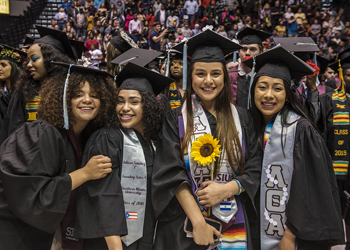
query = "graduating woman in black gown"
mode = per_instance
[
  {"x": 39, "y": 166},
  {"x": 181, "y": 188},
  {"x": 116, "y": 212},
  {"x": 23, "y": 105},
  {"x": 10, "y": 68},
  {"x": 299, "y": 205}
]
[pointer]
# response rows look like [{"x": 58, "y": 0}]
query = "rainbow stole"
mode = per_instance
[
  {"x": 341, "y": 123},
  {"x": 32, "y": 108}
]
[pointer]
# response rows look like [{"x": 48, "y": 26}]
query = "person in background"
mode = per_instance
[
  {"x": 156, "y": 37},
  {"x": 61, "y": 18}
]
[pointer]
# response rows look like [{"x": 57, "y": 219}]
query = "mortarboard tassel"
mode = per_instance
[
  {"x": 234, "y": 56},
  {"x": 341, "y": 86},
  {"x": 115, "y": 81},
  {"x": 167, "y": 72},
  {"x": 184, "y": 59},
  {"x": 65, "y": 108},
  {"x": 251, "y": 83},
  {"x": 315, "y": 62}
]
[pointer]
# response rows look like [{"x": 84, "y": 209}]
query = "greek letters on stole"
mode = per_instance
[{"x": 276, "y": 177}]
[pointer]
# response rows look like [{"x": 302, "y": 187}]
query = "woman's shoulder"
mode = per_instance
[
  {"x": 244, "y": 116},
  {"x": 110, "y": 134}
]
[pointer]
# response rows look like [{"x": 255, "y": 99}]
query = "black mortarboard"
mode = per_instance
[
  {"x": 175, "y": 55},
  {"x": 57, "y": 39},
  {"x": 279, "y": 63},
  {"x": 344, "y": 53},
  {"x": 12, "y": 54},
  {"x": 344, "y": 62},
  {"x": 208, "y": 46},
  {"x": 28, "y": 41},
  {"x": 135, "y": 77},
  {"x": 79, "y": 46},
  {"x": 301, "y": 46},
  {"x": 140, "y": 57},
  {"x": 322, "y": 62},
  {"x": 82, "y": 70},
  {"x": 252, "y": 36}
]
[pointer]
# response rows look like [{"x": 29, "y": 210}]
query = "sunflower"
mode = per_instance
[{"x": 205, "y": 149}]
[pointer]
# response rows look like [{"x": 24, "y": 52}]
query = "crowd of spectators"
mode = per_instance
[{"x": 160, "y": 24}]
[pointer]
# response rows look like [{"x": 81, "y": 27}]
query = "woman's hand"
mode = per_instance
[
  {"x": 288, "y": 241},
  {"x": 203, "y": 234},
  {"x": 212, "y": 193},
  {"x": 311, "y": 83},
  {"x": 98, "y": 167}
]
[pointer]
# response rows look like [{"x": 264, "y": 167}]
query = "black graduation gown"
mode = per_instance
[
  {"x": 100, "y": 205},
  {"x": 15, "y": 117},
  {"x": 313, "y": 209},
  {"x": 325, "y": 124},
  {"x": 242, "y": 90},
  {"x": 35, "y": 186},
  {"x": 4, "y": 103},
  {"x": 169, "y": 174}
]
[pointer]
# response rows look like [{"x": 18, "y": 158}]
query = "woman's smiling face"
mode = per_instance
[
  {"x": 207, "y": 80},
  {"x": 269, "y": 96}
]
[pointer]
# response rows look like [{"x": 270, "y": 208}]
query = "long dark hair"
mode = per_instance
[
  {"x": 291, "y": 105},
  {"x": 226, "y": 131},
  {"x": 26, "y": 87},
  {"x": 15, "y": 72}
]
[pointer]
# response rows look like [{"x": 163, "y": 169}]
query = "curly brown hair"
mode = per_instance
[
  {"x": 26, "y": 87},
  {"x": 153, "y": 112},
  {"x": 51, "y": 105}
]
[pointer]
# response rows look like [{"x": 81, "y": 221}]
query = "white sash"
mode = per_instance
[
  {"x": 134, "y": 186},
  {"x": 276, "y": 178},
  {"x": 227, "y": 208}
]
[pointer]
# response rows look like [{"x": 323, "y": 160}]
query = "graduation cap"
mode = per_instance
[
  {"x": 135, "y": 77},
  {"x": 344, "y": 63},
  {"x": 57, "y": 39},
  {"x": 207, "y": 46},
  {"x": 78, "y": 46},
  {"x": 28, "y": 41},
  {"x": 279, "y": 63},
  {"x": 322, "y": 62},
  {"x": 140, "y": 57},
  {"x": 11, "y": 54},
  {"x": 344, "y": 53},
  {"x": 301, "y": 46},
  {"x": 81, "y": 70},
  {"x": 100, "y": 66},
  {"x": 252, "y": 36}
]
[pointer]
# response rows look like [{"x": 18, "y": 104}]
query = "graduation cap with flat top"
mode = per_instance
[
  {"x": 344, "y": 53},
  {"x": 12, "y": 54},
  {"x": 301, "y": 46},
  {"x": 57, "y": 39},
  {"x": 139, "y": 57},
  {"x": 82, "y": 69},
  {"x": 279, "y": 63},
  {"x": 344, "y": 62},
  {"x": 135, "y": 77},
  {"x": 28, "y": 41},
  {"x": 79, "y": 46},
  {"x": 208, "y": 46},
  {"x": 252, "y": 36}
]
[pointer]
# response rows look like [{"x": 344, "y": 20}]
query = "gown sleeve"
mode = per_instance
[
  {"x": 313, "y": 210},
  {"x": 100, "y": 205},
  {"x": 250, "y": 177},
  {"x": 4, "y": 103},
  {"x": 30, "y": 171},
  {"x": 169, "y": 171}
]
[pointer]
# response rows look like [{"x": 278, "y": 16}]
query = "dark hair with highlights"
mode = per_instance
[
  {"x": 51, "y": 105},
  {"x": 26, "y": 87},
  {"x": 226, "y": 131}
]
